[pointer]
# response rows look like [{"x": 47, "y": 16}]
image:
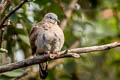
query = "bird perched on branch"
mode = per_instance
[{"x": 46, "y": 37}]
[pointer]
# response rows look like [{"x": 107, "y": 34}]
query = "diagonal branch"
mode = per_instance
[
  {"x": 94, "y": 48},
  {"x": 11, "y": 12},
  {"x": 3, "y": 5},
  {"x": 67, "y": 9},
  {"x": 70, "y": 53},
  {"x": 68, "y": 13},
  {"x": 50, "y": 66}
]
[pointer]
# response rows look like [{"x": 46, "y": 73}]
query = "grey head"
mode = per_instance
[{"x": 51, "y": 17}]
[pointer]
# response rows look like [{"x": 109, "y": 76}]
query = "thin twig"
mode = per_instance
[
  {"x": 43, "y": 58},
  {"x": 67, "y": 11},
  {"x": 1, "y": 37},
  {"x": 11, "y": 12}
]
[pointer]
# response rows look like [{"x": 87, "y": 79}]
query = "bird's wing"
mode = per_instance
[
  {"x": 33, "y": 36},
  {"x": 37, "y": 31}
]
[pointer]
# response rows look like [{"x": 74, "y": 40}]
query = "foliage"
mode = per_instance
[{"x": 93, "y": 22}]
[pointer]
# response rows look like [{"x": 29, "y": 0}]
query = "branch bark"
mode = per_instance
[
  {"x": 43, "y": 58},
  {"x": 3, "y": 5},
  {"x": 11, "y": 12}
]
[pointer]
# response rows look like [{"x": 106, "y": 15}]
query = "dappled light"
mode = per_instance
[{"x": 91, "y": 48}]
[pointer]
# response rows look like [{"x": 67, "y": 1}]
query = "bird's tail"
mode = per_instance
[{"x": 43, "y": 68}]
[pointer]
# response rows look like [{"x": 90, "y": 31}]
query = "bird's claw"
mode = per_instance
[{"x": 52, "y": 56}]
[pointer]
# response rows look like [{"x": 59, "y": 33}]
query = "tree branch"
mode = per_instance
[
  {"x": 11, "y": 12},
  {"x": 43, "y": 58},
  {"x": 1, "y": 37},
  {"x": 68, "y": 13},
  {"x": 50, "y": 66},
  {"x": 67, "y": 9},
  {"x": 3, "y": 5}
]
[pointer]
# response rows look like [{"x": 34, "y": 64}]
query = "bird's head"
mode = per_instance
[{"x": 51, "y": 17}]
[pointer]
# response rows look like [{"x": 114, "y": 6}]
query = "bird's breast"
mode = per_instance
[{"x": 50, "y": 38}]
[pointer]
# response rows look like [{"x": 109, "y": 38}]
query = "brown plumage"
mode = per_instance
[{"x": 46, "y": 37}]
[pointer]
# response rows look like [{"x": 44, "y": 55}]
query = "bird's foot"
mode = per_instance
[
  {"x": 52, "y": 56},
  {"x": 59, "y": 53}
]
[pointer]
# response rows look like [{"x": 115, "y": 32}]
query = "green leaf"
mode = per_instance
[
  {"x": 24, "y": 38},
  {"x": 3, "y": 50},
  {"x": 14, "y": 73},
  {"x": 2, "y": 77}
]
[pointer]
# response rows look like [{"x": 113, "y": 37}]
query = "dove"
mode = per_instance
[{"x": 46, "y": 37}]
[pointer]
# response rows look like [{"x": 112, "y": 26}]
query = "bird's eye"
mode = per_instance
[{"x": 50, "y": 17}]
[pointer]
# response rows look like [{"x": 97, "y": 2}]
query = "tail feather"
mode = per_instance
[{"x": 43, "y": 70}]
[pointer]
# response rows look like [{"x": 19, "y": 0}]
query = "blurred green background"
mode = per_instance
[{"x": 87, "y": 23}]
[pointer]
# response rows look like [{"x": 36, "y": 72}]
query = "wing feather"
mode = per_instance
[{"x": 33, "y": 36}]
